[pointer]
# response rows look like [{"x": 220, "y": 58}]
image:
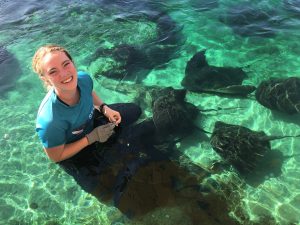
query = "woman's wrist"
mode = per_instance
[{"x": 102, "y": 108}]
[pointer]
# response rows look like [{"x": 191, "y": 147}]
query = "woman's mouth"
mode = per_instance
[{"x": 67, "y": 80}]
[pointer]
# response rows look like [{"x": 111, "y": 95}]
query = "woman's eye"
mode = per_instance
[
  {"x": 66, "y": 64},
  {"x": 52, "y": 72}
]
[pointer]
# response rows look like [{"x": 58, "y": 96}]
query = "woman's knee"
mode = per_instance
[{"x": 130, "y": 112}]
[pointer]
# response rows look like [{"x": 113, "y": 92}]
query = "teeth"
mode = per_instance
[{"x": 68, "y": 80}]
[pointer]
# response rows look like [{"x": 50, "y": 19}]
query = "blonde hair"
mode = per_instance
[{"x": 37, "y": 59}]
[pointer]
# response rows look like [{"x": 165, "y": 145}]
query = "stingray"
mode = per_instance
[
  {"x": 200, "y": 76},
  {"x": 281, "y": 94},
  {"x": 204, "y": 5},
  {"x": 292, "y": 6},
  {"x": 10, "y": 70},
  {"x": 248, "y": 151},
  {"x": 247, "y": 20},
  {"x": 21, "y": 11},
  {"x": 128, "y": 60},
  {"x": 172, "y": 114},
  {"x": 232, "y": 90},
  {"x": 123, "y": 62},
  {"x": 146, "y": 96}
]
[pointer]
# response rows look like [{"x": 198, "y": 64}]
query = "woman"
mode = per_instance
[{"x": 65, "y": 121}]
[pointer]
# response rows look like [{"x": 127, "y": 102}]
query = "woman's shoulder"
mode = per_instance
[
  {"x": 83, "y": 75},
  {"x": 84, "y": 79},
  {"x": 46, "y": 102},
  {"x": 51, "y": 111}
]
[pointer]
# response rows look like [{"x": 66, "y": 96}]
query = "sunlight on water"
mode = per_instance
[{"x": 129, "y": 47}]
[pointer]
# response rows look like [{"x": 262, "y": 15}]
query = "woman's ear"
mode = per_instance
[{"x": 45, "y": 79}]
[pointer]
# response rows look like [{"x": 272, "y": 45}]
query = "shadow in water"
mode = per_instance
[
  {"x": 131, "y": 173},
  {"x": 288, "y": 118},
  {"x": 10, "y": 70}
]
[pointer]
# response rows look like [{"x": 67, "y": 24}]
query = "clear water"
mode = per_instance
[{"x": 35, "y": 191}]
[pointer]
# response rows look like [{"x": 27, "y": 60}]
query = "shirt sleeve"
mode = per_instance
[
  {"x": 51, "y": 136},
  {"x": 86, "y": 80}
]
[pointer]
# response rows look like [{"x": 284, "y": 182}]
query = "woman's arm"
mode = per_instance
[
  {"x": 96, "y": 100},
  {"x": 112, "y": 115},
  {"x": 62, "y": 152},
  {"x": 65, "y": 151}
]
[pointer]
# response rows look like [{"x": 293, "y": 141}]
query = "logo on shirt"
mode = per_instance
[
  {"x": 91, "y": 114},
  {"x": 81, "y": 129},
  {"x": 76, "y": 132}
]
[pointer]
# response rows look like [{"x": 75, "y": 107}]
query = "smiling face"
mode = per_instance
[{"x": 58, "y": 70}]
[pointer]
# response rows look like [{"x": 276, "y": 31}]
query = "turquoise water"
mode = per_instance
[{"x": 35, "y": 191}]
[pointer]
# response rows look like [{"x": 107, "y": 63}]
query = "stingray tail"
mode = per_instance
[
  {"x": 220, "y": 108},
  {"x": 291, "y": 156},
  {"x": 202, "y": 130},
  {"x": 271, "y": 138}
]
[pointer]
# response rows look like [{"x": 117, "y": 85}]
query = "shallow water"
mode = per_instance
[{"x": 166, "y": 35}]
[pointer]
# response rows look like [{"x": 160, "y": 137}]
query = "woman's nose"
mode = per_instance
[{"x": 64, "y": 74}]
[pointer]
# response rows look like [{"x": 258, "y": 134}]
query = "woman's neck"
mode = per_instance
[{"x": 69, "y": 97}]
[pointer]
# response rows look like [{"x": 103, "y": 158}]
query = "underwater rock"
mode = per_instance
[
  {"x": 172, "y": 115},
  {"x": 199, "y": 75},
  {"x": 249, "y": 152},
  {"x": 247, "y": 20},
  {"x": 10, "y": 70},
  {"x": 282, "y": 94}
]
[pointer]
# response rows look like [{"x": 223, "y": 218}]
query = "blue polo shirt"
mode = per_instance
[{"x": 58, "y": 123}]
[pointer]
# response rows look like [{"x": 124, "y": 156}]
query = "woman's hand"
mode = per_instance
[{"x": 112, "y": 115}]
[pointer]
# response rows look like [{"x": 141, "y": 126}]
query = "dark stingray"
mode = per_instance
[
  {"x": 204, "y": 5},
  {"x": 167, "y": 29},
  {"x": 145, "y": 96},
  {"x": 281, "y": 94},
  {"x": 199, "y": 75},
  {"x": 129, "y": 172},
  {"x": 232, "y": 90},
  {"x": 14, "y": 12},
  {"x": 133, "y": 62},
  {"x": 172, "y": 115},
  {"x": 292, "y": 6},
  {"x": 248, "y": 20},
  {"x": 10, "y": 70},
  {"x": 126, "y": 62},
  {"x": 249, "y": 152}
]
